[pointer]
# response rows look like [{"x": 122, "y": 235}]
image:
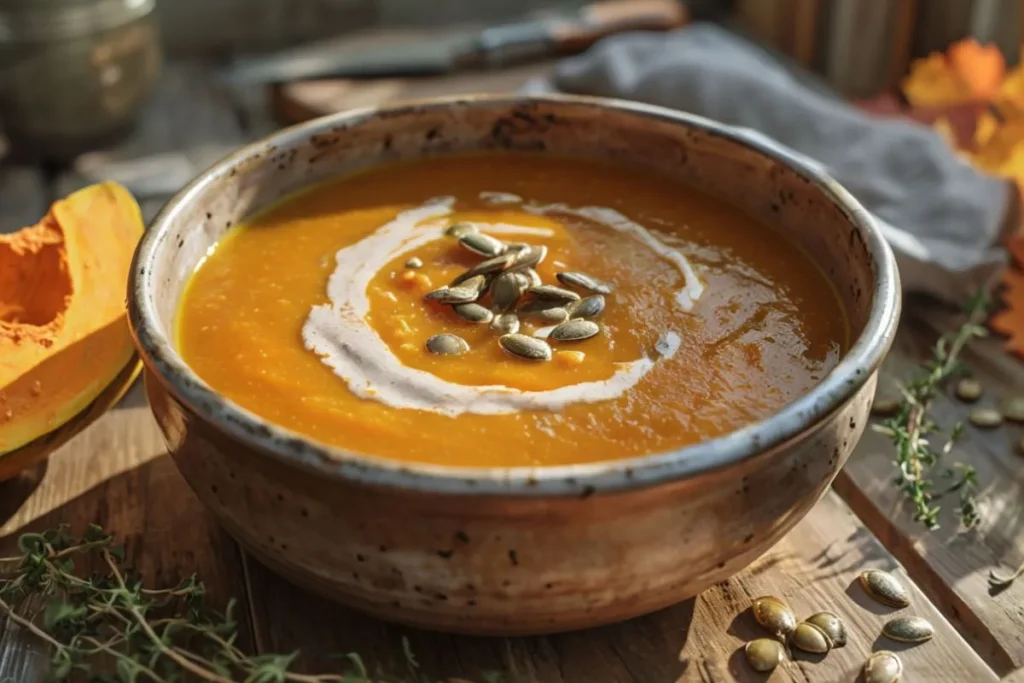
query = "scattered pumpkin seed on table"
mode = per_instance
[
  {"x": 884, "y": 407},
  {"x": 774, "y": 615},
  {"x": 831, "y": 625},
  {"x": 883, "y": 667},
  {"x": 985, "y": 418},
  {"x": 968, "y": 390},
  {"x": 763, "y": 654},
  {"x": 447, "y": 344},
  {"x": 884, "y": 588},
  {"x": 1012, "y": 408},
  {"x": 810, "y": 638},
  {"x": 908, "y": 630}
]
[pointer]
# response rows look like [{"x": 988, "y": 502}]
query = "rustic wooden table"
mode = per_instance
[{"x": 118, "y": 474}]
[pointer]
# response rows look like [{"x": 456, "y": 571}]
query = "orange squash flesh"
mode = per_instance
[
  {"x": 767, "y": 328},
  {"x": 63, "y": 327}
]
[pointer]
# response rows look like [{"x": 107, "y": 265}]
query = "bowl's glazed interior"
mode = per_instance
[{"x": 515, "y": 550}]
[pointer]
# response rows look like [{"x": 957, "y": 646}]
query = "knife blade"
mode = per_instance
[{"x": 491, "y": 47}]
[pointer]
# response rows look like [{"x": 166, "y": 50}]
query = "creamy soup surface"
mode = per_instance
[{"x": 313, "y": 314}]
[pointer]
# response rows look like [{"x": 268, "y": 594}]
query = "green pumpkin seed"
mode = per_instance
[
  {"x": 575, "y": 330},
  {"x": 908, "y": 630},
  {"x": 553, "y": 294},
  {"x": 530, "y": 257},
  {"x": 1012, "y": 408},
  {"x": 447, "y": 345},
  {"x": 460, "y": 230},
  {"x": 884, "y": 407},
  {"x": 482, "y": 245},
  {"x": 521, "y": 346},
  {"x": 506, "y": 290},
  {"x": 506, "y": 323},
  {"x": 474, "y": 313},
  {"x": 883, "y": 667},
  {"x": 584, "y": 281},
  {"x": 453, "y": 295},
  {"x": 414, "y": 262},
  {"x": 968, "y": 390},
  {"x": 985, "y": 418},
  {"x": 774, "y": 615},
  {"x": 763, "y": 654},
  {"x": 810, "y": 638},
  {"x": 588, "y": 307},
  {"x": 884, "y": 588},
  {"x": 831, "y": 625},
  {"x": 491, "y": 265}
]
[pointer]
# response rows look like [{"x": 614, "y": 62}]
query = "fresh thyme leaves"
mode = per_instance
[
  {"x": 912, "y": 425},
  {"x": 107, "y": 626}
]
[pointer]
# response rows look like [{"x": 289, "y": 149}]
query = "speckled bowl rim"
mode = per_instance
[{"x": 854, "y": 369}]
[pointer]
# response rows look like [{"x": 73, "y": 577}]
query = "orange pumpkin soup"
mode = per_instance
[{"x": 509, "y": 310}]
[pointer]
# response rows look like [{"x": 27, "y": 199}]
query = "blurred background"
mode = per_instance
[{"x": 85, "y": 76}]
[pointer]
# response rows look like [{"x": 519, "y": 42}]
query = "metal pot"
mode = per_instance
[{"x": 73, "y": 73}]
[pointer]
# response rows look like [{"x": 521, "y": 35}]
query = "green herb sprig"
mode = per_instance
[
  {"x": 911, "y": 426},
  {"x": 107, "y": 626}
]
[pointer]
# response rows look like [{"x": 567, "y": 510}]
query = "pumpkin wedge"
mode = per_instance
[{"x": 63, "y": 325}]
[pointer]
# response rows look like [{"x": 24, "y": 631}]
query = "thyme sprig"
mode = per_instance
[
  {"x": 911, "y": 426},
  {"x": 107, "y": 626}
]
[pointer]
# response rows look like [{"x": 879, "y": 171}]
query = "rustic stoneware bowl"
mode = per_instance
[{"x": 514, "y": 551}]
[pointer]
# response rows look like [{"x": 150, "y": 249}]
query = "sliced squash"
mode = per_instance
[{"x": 63, "y": 325}]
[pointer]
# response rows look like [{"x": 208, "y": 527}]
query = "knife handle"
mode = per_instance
[{"x": 601, "y": 19}]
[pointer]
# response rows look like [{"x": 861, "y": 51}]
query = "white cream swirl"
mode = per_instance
[{"x": 339, "y": 333}]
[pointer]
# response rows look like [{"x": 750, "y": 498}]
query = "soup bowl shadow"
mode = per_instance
[{"x": 520, "y": 550}]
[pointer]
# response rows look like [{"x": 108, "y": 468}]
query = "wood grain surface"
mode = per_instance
[{"x": 117, "y": 474}]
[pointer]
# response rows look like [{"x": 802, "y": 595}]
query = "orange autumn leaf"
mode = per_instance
[
  {"x": 981, "y": 68},
  {"x": 933, "y": 82}
]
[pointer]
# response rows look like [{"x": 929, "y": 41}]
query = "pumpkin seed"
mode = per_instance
[
  {"x": 774, "y": 615},
  {"x": 460, "y": 230},
  {"x": 530, "y": 257},
  {"x": 482, "y": 244},
  {"x": 908, "y": 630},
  {"x": 985, "y": 418},
  {"x": 884, "y": 407},
  {"x": 883, "y": 667},
  {"x": 584, "y": 281},
  {"x": 554, "y": 294},
  {"x": 543, "y": 332},
  {"x": 968, "y": 390},
  {"x": 556, "y": 314},
  {"x": 447, "y": 344},
  {"x": 506, "y": 290},
  {"x": 588, "y": 307},
  {"x": 763, "y": 654},
  {"x": 453, "y": 295},
  {"x": 506, "y": 323},
  {"x": 831, "y": 625},
  {"x": 474, "y": 313},
  {"x": 414, "y": 262},
  {"x": 810, "y": 638},
  {"x": 884, "y": 588},
  {"x": 491, "y": 265},
  {"x": 525, "y": 347},
  {"x": 1012, "y": 408},
  {"x": 575, "y": 330}
]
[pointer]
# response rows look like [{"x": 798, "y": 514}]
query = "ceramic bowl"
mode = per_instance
[{"x": 514, "y": 551}]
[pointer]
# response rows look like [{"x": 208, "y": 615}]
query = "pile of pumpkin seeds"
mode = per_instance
[
  {"x": 824, "y": 631},
  {"x": 970, "y": 390},
  {"x": 505, "y": 288}
]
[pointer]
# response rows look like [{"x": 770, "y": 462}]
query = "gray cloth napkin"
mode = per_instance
[{"x": 943, "y": 219}]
